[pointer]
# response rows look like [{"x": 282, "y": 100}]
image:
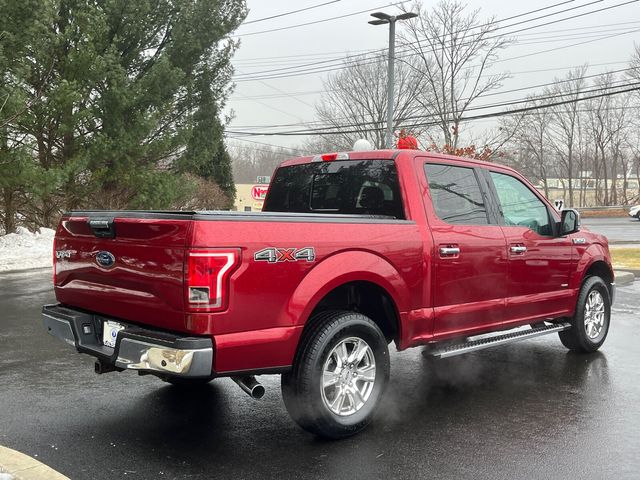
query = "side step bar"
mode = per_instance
[{"x": 493, "y": 341}]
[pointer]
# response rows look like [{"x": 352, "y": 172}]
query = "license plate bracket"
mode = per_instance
[{"x": 110, "y": 331}]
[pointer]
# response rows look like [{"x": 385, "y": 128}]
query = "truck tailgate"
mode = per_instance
[{"x": 135, "y": 271}]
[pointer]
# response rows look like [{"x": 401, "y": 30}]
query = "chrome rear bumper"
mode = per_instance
[{"x": 136, "y": 348}]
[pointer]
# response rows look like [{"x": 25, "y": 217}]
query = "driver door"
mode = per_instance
[{"x": 539, "y": 261}]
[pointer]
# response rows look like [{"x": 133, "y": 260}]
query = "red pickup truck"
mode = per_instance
[{"x": 352, "y": 252}]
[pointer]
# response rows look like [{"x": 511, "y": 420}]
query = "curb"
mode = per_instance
[
  {"x": 23, "y": 467},
  {"x": 624, "y": 277}
]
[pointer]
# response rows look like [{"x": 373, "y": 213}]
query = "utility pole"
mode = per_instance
[{"x": 381, "y": 19}]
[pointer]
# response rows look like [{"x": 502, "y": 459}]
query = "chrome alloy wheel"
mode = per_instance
[
  {"x": 348, "y": 376},
  {"x": 594, "y": 313}
]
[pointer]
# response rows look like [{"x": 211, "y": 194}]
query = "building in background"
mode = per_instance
[{"x": 250, "y": 196}]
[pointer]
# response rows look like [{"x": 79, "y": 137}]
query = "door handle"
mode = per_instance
[
  {"x": 518, "y": 249},
  {"x": 448, "y": 251}
]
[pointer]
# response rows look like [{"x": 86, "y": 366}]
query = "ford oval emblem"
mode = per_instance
[{"x": 105, "y": 259}]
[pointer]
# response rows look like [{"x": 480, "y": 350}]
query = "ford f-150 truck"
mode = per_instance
[{"x": 352, "y": 252}]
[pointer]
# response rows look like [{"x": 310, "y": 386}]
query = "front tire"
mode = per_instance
[
  {"x": 590, "y": 323},
  {"x": 339, "y": 375}
]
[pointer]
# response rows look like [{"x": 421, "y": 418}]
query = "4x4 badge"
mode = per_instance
[{"x": 274, "y": 255}]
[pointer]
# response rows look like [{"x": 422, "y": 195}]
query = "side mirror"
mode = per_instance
[{"x": 570, "y": 222}]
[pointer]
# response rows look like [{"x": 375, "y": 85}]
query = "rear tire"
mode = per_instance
[
  {"x": 590, "y": 323},
  {"x": 339, "y": 375}
]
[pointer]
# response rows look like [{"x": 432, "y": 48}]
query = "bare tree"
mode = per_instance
[
  {"x": 530, "y": 131},
  {"x": 597, "y": 124},
  {"x": 354, "y": 102},
  {"x": 250, "y": 161},
  {"x": 565, "y": 125},
  {"x": 454, "y": 48}
]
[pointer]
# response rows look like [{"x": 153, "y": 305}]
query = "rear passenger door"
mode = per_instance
[
  {"x": 469, "y": 251},
  {"x": 539, "y": 260}
]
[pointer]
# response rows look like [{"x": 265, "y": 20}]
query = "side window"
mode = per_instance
[
  {"x": 456, "y": 194},
  {"x": 520, "y": 206}
]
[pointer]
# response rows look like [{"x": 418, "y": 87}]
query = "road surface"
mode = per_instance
[{"x": 530, "y": 410}]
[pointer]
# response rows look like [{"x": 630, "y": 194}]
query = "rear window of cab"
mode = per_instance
[{"x": 366, "y": 187}]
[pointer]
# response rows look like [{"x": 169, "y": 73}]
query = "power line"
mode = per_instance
[
  {"x": 319, "y": 21},
  {"x": 347, "y": 62},
  {"x": 264, "y": 61},
  {"x": 460, "y": 31},
  {"x": 502, "y": 92},
  {"x": 635, "y": 86},
  {"x": 343, "y": 53},
  {"x": 296, "y": 150},
  {"x": 324, "y": 54},
  {"x": 290, "y": 13}
]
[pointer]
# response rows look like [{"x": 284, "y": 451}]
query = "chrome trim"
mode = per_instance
[
  {"x": 579, "y": 241},
  {"x": 518, "y": 249},
  {"x": 348, "y": 376},
  {"x": 500, "y": 339},
  {"x": 134, "y": 354},
  {"x": 137, "y": 355},
  {"x": 449, "y": 250},
  {"x": 594, "y": 315}
]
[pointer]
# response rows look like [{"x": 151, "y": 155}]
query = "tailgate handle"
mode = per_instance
[{"x": 103, "y": 227}]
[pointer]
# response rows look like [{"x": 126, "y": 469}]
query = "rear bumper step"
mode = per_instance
[
  {"x": 495, "y": 340},
  {"x": 136, "y": 348}
]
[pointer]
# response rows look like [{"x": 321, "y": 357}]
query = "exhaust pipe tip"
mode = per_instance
[{"x": 250, "y": 386}]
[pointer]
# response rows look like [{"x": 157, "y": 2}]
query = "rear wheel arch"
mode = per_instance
[
  {"x": 364, "y": 297},
  {"x": 366, "y": 274}
]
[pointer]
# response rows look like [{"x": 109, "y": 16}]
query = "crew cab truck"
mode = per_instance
[{"x": 352, "y": 252}]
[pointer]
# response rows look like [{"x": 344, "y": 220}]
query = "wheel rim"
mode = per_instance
[
  {"x": 594, "y": 314},
  {"x": 348, "y": 376}
]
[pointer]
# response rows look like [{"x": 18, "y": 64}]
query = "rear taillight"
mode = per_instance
[{"x": 207, "y": 278}]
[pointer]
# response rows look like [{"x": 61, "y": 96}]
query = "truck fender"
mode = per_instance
[
  {"x": 339, "y": 269},
  {"x": 594, "y": 253}
]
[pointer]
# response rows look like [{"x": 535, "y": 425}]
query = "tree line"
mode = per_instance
[
  {"x": 578, "y": 138},
  {"x": 113, "y": 104}
]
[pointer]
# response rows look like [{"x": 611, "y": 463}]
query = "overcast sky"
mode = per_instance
[{"x": 607, "y": 41}]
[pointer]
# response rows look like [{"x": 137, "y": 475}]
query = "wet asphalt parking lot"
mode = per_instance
[{"x": 528, "y": 410}]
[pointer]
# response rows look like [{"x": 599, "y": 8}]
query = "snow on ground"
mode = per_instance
[{"x": 23, "y": 249}]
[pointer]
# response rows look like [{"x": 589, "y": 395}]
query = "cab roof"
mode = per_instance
[{"x": 390, "y": 155}]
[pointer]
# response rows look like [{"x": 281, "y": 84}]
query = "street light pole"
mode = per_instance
[
  {"x": 391, "y": 83},
  {"x": 383, "y": 18}
]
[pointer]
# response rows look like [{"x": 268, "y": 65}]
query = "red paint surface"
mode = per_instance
[{"x": 482, "y": 289}]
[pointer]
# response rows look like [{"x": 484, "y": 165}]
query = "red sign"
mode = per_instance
[{"x": 258, "y": 192}]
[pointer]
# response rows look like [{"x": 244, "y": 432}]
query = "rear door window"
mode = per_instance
[
  {"x": 456, "y": 195},
  {"x": 367, "y": 187}
]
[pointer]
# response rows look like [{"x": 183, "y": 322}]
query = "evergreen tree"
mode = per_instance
[{"x": 111, "y": 90}]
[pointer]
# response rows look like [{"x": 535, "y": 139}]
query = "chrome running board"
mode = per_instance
[{"x": 451, "y": 350}]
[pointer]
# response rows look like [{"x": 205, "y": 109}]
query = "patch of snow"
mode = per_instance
[
  {"x": 23, "y": 250},
  {"x": 6, "y": 476}
]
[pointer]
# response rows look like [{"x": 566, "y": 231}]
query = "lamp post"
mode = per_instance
[{"x": 381, "y": 19}]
